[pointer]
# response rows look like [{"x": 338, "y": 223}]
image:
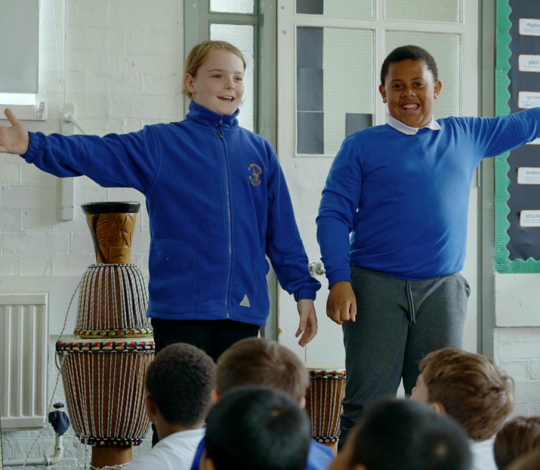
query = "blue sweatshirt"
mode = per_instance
[
  {"x": 398, "y": 204},
  {"x": 217, "y": 201},
  {"x": 319, "y": 456}
]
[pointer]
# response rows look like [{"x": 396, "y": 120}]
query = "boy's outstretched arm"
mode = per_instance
[
  {"x": 308, "y": 321},
  {"x": 13, "y": 139},
  {"x": 341, "y": 304}
]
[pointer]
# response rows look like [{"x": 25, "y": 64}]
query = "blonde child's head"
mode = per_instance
[
  {"x": 200, "y": 53},
  {"x": 517, "y": 437},
  {"x": 469, "y": 387},
  {"x": 262, "y": 362}
]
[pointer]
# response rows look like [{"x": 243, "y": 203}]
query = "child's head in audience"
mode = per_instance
[
  {"x": 400, "y": 434},
  {"x": 517, "y": 437},
  {"x": 529, "y": 461},
  {"x": 469, "y": 387},
  {"x": 262, "y": 362},
  {"x": 179, "y": 384},
  {"x": 255, "y": 428}
]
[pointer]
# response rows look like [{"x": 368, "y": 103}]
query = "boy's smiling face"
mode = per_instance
[
  {"x": 218, "y": 85},
  {"x": 409, "y": 89}
]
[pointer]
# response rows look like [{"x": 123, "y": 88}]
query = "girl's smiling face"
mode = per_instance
[
  {"x": 410, "y": 89},
  {"x": 218, "y": 84}
]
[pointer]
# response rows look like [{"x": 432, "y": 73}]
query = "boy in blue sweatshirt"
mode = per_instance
[
  {"x": 218, "y": 205},
  {"x": 392, "y": 228}
]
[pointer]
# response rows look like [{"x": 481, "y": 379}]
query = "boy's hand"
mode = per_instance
[
  {"x": 308, "y": 321},
  {"x": 13, "y": 139},
  {"x": 341, "y": 304}
]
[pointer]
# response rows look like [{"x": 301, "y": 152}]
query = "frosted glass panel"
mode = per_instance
[
  {"x": 350, "y": 8},
  {"x": 424, "y": 10},
  {"x": 335, "y": 87},
  {"x": 348, "y": 81},
  {"x": 242, "y": 36},
  {"x": 445, "y": 49},
  {"x": 19, "y": 28},
  {"x": 337, "y": 8},
  {"x": 232, "y": 6}
]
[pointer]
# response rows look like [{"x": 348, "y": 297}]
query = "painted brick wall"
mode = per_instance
[
  {"x": 517, "y": 351},
  {"x": 124, "y": 63}
]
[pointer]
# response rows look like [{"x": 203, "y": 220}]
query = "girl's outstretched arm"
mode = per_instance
[{"x": 13, "y": 139}]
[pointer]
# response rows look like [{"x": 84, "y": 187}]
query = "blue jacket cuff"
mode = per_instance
[
  {"x": 338, "y": 275},
  {"x": 33, "y": 146},
  {"x": 305, "y": 293}
]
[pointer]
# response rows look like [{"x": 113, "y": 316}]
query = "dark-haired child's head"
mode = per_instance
[
  {"x": 529, "y": 461},
  {"x": 262, "y": 362},
  {"x": 401, "y": 434},
  {"x": 410, "y": 84},
  {"x": 469, "y": 387},
  {"x": 179, "y": 383},
  {"x": 255, "y": 428},
  {"x": 517, "y": 437}
]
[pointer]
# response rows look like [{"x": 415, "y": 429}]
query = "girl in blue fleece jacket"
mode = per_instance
[{"x": 218, "y": 205}]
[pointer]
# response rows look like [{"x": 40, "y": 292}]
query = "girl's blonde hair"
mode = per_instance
[{"x": 200, "y": 52}]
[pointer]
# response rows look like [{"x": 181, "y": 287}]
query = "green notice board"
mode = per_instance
[{"x": 517, "y": 173}]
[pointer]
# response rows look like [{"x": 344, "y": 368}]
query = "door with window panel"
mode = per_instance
[{"x": 330, "y": 54}]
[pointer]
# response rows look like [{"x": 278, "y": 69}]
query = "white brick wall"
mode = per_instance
[
  {"x": 124, "y": 70},
  {"x": 517, "y": 351}
]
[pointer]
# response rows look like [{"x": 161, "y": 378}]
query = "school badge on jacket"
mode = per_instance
[{"x": 255, "y": 173}]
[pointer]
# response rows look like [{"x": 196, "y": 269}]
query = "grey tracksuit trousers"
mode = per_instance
[{"x": 397, "y": 324}]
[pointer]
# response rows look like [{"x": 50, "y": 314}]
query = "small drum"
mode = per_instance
[
  {"x": 323, "y": 402},
  {"x": 104, "y": 387}
]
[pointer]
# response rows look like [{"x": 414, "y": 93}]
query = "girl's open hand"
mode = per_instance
[{"x": 13, "y": 139}]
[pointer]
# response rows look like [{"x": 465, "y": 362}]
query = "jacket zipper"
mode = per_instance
[{"x": 220, "y": 134}]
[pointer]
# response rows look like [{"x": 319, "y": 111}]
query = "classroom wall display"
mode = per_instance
[{"x": 517, "y": 173}]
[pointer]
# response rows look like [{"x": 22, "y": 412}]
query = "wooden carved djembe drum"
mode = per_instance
[
  {"x": 104, "y": 365},
  {"x": 323, "y": 402}
]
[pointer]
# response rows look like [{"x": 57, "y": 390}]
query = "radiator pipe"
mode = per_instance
[
  {"x": 47, "y": 461},
  {"x": 60, "y": 423}
]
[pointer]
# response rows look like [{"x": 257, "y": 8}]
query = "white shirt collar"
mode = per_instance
[{"x": 399, "y": 126}]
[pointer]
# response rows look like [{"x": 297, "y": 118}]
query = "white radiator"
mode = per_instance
[{"x": 24, "y": 342}]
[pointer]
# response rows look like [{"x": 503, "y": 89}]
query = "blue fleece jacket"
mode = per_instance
[
  {"x": 217, "y": 201},
  {"x": 403, "y": 199},
  {"x": 319, "y": 456}
]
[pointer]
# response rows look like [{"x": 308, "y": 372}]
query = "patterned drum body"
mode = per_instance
[
  {"x": 113, "y": 300},
  {"x": 323, "y": 403},
  {"x": 104, "y": 387}
]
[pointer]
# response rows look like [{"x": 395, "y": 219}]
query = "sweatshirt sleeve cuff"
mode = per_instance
[
  {"x": 339, "y": 275},
  {"x": 33, "y": 146},
  {"x": 305, "y": 293}
]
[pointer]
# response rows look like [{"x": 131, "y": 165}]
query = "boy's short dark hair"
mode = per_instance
[
  {"x": 472, "y": 389},
  {"x": 517, "y": 437},
  {"x": 262, "y": 362},
  {"x": 410, "y": 436},
  {"x": 412, "y": 53},
  {"x": 256, "y": 428},
  {"x": 180, "y": 380}
]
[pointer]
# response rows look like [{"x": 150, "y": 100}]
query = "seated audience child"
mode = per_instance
[
  {"x": 262, "y": 362},
  {"x": 529, "y": 461},
  {"x": 255, "y": 428},
  {"x": 473, "y": 390},
  {"x": 179, "y": 384},
  {"x": 400, "y": 434},
  {"x": 517, "y": 437}
]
